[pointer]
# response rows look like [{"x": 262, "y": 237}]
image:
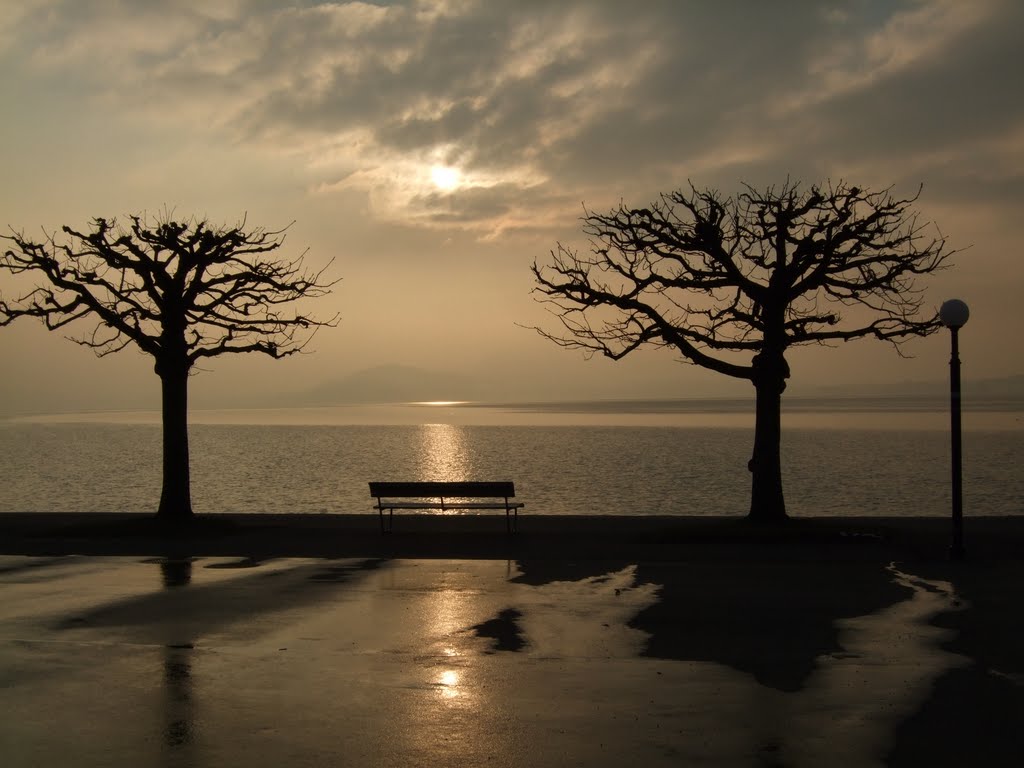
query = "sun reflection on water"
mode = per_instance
[{"x": 443, "y": 455}]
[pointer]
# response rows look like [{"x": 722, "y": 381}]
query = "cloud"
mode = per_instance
[
  {"x": 540, "y": 103},
  {"x": 921, "y": 32}
]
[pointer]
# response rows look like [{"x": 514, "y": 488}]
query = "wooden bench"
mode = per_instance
[{"x": 439, "y": 495}]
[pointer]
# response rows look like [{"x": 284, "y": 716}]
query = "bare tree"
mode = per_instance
[
  {"x": 732, "y": 283},
  {"x": 179, "y": 291}
]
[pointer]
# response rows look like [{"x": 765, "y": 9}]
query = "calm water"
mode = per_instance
[{"x": 606, "y": 459}]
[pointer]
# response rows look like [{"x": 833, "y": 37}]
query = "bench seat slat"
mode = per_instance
[
  {"x": 468, "y": 489},
  {"x": 437, "y": 495},
  {"x": 386, "y": 504}
]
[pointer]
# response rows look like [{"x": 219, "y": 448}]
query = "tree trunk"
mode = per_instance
[
  {"x": 767, "y": 503},
  {"x": 176, "y": 496}
]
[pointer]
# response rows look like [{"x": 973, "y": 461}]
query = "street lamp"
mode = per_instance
[{"x": 954, "y": 314}]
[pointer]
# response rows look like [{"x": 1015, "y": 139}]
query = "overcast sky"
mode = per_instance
[{"x": 435, "y": 148}]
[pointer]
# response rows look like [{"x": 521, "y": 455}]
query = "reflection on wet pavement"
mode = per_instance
[
  {"x": 773, "y": 622},
  {"x": 180, "y": 707},
  {"x": 504, "y": 630},
  {"x": 587, "y": 618},
  {"x": 295, "y": 662},
  {"x": 175, "y": 572},
  {"x": 889, "y": 662}
]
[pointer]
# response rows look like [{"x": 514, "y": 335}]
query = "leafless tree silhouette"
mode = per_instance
[
  {"x": 180, "y": 291},
  {"x": 732, "y": 283}
]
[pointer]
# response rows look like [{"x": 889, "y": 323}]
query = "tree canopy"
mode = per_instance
[
  {"x": 212, "y": 286},
  {"x": 706, "y": 274}
]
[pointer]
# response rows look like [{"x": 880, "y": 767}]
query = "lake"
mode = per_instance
[{"x": 882, "y": 456}]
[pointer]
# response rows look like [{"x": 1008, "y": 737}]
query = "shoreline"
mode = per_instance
[{"x": 541, "y": 537}]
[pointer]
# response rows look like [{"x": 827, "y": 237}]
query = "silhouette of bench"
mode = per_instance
[{"x": 440, "y": 495}]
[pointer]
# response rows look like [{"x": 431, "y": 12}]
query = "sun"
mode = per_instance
[{"x": 445, "y": 177}]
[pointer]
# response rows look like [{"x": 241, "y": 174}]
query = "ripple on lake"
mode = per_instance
[{"x": 557, "y": 470}]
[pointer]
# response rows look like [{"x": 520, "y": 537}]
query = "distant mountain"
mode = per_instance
[
  {"x": 406, "y": 383},
  {"x": 1006, "y": 387}
]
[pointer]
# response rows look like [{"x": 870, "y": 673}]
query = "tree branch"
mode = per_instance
[
  {"x": 169, "y": 287},
  {"x": 769, "y": 268}
]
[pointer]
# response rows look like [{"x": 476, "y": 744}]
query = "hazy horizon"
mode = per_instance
[
  {"x": 434, "y": 149},
  {"x": 402, "y": 385}
]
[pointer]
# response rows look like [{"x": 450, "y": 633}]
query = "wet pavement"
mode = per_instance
[{"x": 214, "y": 661}]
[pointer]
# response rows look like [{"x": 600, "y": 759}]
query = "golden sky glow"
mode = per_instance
[
  {"x": 435, "y": 149},
  {"x": 445, "y": 177}
]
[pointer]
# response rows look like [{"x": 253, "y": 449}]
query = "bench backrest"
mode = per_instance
[{"x": 469, "y": 489}]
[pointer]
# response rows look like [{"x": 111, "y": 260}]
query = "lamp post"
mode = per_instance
[{"x": 954, "y": 314}]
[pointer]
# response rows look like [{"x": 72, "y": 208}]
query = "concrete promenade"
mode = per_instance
[{"x": 314, "y": 640}]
